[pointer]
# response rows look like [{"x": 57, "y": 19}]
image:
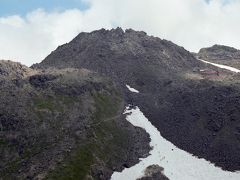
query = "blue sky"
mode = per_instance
[{"x": 21, "y": 7}]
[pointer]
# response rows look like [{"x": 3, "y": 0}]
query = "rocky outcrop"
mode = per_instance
[
  {"x": 154, "y": 172},
  {"x": 197, "y": 114},
  {"x": 13, "y": 70},
  {"x": 68, "y": 123},
  {"x": 219, "y": 52}
]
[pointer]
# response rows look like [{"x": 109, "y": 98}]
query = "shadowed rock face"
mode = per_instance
[
  {"x": 59, "y": 124},
  {"x": 198, "y": 115}
]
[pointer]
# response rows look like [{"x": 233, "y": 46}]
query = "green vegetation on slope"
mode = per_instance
[
  {"x": 107, "y": 139},
  {"x": 38, "y": 106},
  {"x": 54, "y": 103},
  {"x": 77, "y": 166},
  {"x": 106, "y": 106}
]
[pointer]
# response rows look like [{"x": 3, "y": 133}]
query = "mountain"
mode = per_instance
[
  {"x": 117, "y": 53},
  {"x": 221, "y": 54},
  {"x": 63, "y": 118},
  {"x": 191, "y": 103},
  {"x": 63, "y": 123}
]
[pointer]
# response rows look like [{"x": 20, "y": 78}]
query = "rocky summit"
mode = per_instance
[
  {"x": 63, "y": 118},
  {"x": 116, "y": 53}
]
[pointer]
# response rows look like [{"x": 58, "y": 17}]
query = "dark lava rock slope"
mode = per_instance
[
  {"x": 121, "y": 55},
  {"x": 63, "y": 124},
  {"x": 199, "y": 115}
]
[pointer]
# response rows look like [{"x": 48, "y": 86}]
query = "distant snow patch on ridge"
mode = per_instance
[
  {"x": 222, "y": 66},
  {"x": 177, "y": 164},
  {"x": 132, "y": 89}
]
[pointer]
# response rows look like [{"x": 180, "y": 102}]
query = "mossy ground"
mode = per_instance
[
  {"x": 38, "y": 106},
  {"x": 15, "y": 163},
  {"x": 57, "y": 103},
  {"x": 107, "y": 142},
  {"x": 107, "y": 139},
  {"x": 11, "y": 166},
  {"x": 2, "y": 142},
  {"x": 76, "y": 167},
  {"x": 106, "y": 106}
]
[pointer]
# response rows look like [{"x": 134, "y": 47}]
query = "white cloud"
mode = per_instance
[
  {"x": 30, "y": 39},
  {"x": 189, "y": 23}
]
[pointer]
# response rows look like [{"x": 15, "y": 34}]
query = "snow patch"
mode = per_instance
[
  {"x": 177, "y": 164},
  {"x": 132, "y": 89},
  {"x": 222, "y": 66}
]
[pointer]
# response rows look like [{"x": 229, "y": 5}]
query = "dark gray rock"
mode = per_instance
[
  {"x": 154, "y": 172},
  {"x": 41, "y": 80}
]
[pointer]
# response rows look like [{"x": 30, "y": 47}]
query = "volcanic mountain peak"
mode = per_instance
[{"x": 117, "y": 52}]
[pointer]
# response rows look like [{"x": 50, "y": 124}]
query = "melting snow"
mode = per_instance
[
  {"x": 177, "y": 164},
  {"x": 222, "y": 66},
  {"x": 132, "y": 89}
]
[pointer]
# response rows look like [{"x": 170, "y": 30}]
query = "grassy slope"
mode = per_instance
[{"x": 102, "y": 147}]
